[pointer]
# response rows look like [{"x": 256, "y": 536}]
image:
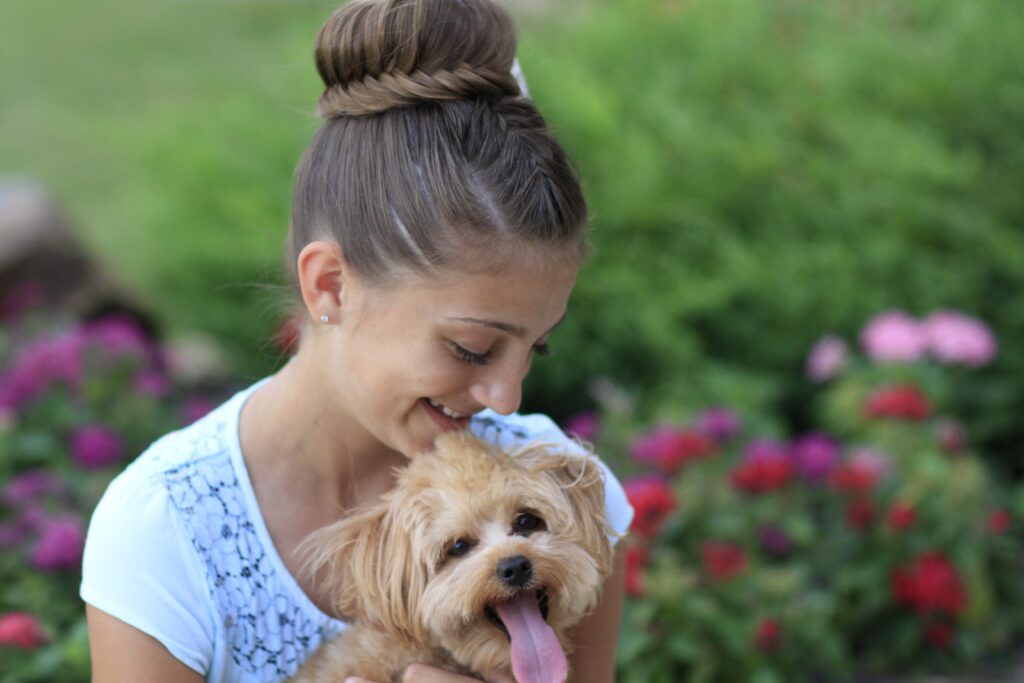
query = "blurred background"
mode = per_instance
[{"x": 762, "y": 176}]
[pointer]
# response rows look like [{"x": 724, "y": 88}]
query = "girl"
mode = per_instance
[{"x": 436, "y": 233}]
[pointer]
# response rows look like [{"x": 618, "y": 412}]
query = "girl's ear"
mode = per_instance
[{"x": 366, "y": 562}]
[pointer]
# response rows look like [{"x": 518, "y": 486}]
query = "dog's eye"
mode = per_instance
[
  {"x": 460, "y": 548},
  {"x": 526, "y": 522}
]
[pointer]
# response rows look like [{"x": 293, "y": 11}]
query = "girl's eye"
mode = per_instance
[
  {"x": 460, "y": 548},
  {"x": 542, "y": 349},
  {"x": 468, "y": 356},
  {"x": 526, "y": 522}
]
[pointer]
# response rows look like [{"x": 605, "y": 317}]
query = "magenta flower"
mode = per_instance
[
  {"x": 826, "y": 359},
  {"x": 29, "y": 487},
  {"x": 894, "y": 337},
  {"x": 583, "y": 426},
  {"x": 953, "y": 337},
  {"x": 816, "y": 456},
  {"x": 719, "y": 424},
  {"x": 60, "y": 545},
  {"x": 95, "y": 446}
]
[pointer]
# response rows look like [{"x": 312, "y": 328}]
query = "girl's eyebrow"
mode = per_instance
[{"x": 514, "y": 330}]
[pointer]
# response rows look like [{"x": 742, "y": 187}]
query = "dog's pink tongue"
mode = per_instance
[{"x": 537, "y": 656}]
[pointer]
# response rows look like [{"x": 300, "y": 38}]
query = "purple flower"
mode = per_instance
[
  {"x": 195, "y": 408},
  {"x": 766, "y": 449},
  {"x": 718, "y": 424},
  {"x": 119, "y": 335},
  {"x": 774, "y": 540},
  {"x": 95, "y": 446},
  {"x": 583, "y": 426},
  {"x": 59, "y": 546},
  {"x": 816, "y": 456},
  {"x": 894, "y": 337},
  {"x": 29, "y": 487},
  {"x": 953, "y": 337},
  {"x": 39, "y": 365},
  {"x": 151, "y": 382},
  {"x": 826, "y": 359}
]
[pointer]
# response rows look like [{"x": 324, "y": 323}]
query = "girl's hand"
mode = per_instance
[{"x": 421, "y": 673}]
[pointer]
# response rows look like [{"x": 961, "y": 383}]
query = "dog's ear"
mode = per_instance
[
  {"x": 367, "y": 562},
  {"x": 581, "y": 480}
]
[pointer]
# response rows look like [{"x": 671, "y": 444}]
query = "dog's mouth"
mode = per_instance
[
  {"x": 537, "y": 656},
  {"x": 541, "y": 598}
]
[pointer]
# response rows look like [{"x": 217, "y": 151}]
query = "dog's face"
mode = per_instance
[{"x": 487, "y": 555}]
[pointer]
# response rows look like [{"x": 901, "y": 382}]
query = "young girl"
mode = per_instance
[{"x": 436, "y": 235}]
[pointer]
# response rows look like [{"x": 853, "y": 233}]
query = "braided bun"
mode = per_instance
[{"x": 376, "y": 55}]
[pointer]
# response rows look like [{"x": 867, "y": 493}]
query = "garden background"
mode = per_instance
[{"x": 761, "y": 175}]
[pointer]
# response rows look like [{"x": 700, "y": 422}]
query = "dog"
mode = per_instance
[{"x": 478, "y": 562}]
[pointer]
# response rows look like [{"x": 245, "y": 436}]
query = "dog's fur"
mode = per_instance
[{"x": 410, "y": 600}]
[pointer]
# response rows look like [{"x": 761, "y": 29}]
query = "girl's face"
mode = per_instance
[{"x": 412, "y": 361}]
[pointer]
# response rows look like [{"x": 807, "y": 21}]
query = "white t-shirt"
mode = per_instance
[{"x": 178, "y": 548}]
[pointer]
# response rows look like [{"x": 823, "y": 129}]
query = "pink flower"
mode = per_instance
[
  {"x": 953, "y": 337},
  {"x": 826, "y": 359},
  {"x": 719, "y": 424},
  {"x": 898, "y": 401},
  {"x": 119, "y": 335},
  {"x": 816, "y": 455},
  {"x": 60, "y": 545},
  {"x": 860, "y": 473},
  {"x": 95, "y": 446},
  {"x": 669, "y": 448},
  {"x": 583, "y": 426},
  {"x": 894, "y": 337},
  {"x": 22, "y": 630},
  {"x": 39, "y": 365},
  {"x": 951, "y": 435}
]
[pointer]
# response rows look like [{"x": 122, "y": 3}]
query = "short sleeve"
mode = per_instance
[
  {"x": 140, "y": 567},
  {"x": 508, "y": 431}
]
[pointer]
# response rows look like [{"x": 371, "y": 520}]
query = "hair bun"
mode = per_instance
[{"x": 375, "y": 55}]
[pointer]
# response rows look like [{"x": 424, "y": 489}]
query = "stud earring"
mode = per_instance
[{"x": 324, "y": 318}]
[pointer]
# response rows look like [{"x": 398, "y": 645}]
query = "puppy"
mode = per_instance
[{"x": 478, "y": 562}]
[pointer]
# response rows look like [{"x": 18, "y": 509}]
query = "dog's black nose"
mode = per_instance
[{"x": 515, "y": 571}]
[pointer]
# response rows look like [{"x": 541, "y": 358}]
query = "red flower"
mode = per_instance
[
  {"x": 636, "y": 558},
  {"x": 930, "y": 584},
  {"x": 860, "y": 512},
  {"x": 939, "y": 634},
  {"x": 902, "y": 516},
  {"x": 652, "y": 500},
  {"x": 21, "y": 630},
  {"x": 999, "y": 521},
  {"x": 722, "y": 559},
  {"x": 901, "y": 401},
  {"x": 762, "y": 474},
  {"x": 769, "y": 635},
  {"x": 669, "y": 448},
  {"x": 855, "y": 477}
]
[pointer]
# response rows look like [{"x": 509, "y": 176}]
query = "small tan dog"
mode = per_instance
[{"x": 478, "y": 562}]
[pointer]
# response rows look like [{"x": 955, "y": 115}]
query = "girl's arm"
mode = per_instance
[
  {"x": 593, "y": 660},
  {"x": 123, "y": 654}
]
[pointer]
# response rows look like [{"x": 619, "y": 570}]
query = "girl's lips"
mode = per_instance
[{"x": 443, "y": 421}]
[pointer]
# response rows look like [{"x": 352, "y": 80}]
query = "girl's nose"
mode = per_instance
[{"x": 501, "y": 389}]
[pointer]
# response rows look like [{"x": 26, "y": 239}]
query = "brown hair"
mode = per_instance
[{"x": 428, "y": 146}]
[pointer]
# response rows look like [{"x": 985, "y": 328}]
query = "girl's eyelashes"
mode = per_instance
[{"x": 468, "y": 356}]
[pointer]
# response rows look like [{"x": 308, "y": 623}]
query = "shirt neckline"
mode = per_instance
[{"x": 254, "y": 512}]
